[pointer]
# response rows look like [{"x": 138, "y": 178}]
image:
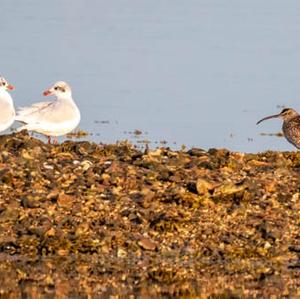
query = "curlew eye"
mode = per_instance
[{"x": 285, "y": 110}]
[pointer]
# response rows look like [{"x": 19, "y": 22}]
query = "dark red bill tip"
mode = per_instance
[{"x": 46, "y": 93}]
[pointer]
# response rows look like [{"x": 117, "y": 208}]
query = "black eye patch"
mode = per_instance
[{"x": 59, "y": 88}]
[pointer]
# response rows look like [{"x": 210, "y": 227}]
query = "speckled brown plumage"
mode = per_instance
[
  {"x": 290, "y": 126},
  {"x": 291, "y": 131}
]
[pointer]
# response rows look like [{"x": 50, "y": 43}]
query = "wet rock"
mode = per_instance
[
  {"x": 64, "y": 200},
  {"x": 85, "y": 220},
  {"x": 147, "y": 244},
  {"x": 229, "y": 191},
  {"x": 30, "y": 203},
  {"x": 196, "y": 152},
  {"x": 203, "y": 186}
]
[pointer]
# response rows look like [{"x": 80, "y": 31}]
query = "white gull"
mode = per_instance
[
  {"x": 54, "y": 118},
  {"x": 7, "y": 110}
]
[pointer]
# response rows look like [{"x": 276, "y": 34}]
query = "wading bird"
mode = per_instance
[{"x": 290, "y": 126}]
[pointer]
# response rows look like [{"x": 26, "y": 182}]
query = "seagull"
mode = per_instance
[
  {"x": 290, "y": 126},
  {"x": 7, "y": 110},
  {"x": 54, "y": 118}
]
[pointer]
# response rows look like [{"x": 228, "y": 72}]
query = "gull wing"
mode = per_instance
[{"x": 28, "y": 114}]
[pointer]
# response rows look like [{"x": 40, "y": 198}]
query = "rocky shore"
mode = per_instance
[{"x": 81, "y": 220}]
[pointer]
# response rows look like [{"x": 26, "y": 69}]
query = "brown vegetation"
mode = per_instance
[{"x": 80, "y": 219}]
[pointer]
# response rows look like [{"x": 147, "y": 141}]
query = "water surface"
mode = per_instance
[{"x": 198, "y": 72}]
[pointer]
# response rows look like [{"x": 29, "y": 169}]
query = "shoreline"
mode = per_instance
[{"x": 80, "y": 219}]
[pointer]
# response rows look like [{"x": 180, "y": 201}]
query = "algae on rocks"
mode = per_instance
[{"x": 85, "y": 220}]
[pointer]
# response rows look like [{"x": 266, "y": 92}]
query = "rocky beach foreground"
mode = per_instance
[{"x": 81, "y": 220}]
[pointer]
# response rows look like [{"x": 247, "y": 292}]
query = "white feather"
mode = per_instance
[
  {"x": 7, "y": 110},
  {"x": 55, "y": 118}
]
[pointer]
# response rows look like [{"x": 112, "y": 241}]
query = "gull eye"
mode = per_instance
[{"x": 55, "y": 88}]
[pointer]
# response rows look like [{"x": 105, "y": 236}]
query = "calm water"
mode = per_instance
[{"x": 195, "y": 72}]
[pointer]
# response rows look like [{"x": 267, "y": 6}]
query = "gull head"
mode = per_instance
[
  {"x": 60, "y": 89},
  {"x": 5, "y": 85}
]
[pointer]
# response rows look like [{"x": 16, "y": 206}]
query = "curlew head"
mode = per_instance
[{"x": 285, "y": 114}]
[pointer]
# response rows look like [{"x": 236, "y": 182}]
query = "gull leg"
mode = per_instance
[
  {"x": 49, "y": 139},
  {"x": 55, "y": 140}
]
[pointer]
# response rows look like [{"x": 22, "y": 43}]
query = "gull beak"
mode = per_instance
[
  {"x": 47, "y": 92},
  {"x": 10, "y": 87},
  {"x": 268, "y": 117}
]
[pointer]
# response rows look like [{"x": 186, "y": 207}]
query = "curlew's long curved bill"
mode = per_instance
[{"x": 268, "y": 117}]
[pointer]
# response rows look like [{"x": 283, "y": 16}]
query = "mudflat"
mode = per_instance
[{"x": 86, "y": 220}]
